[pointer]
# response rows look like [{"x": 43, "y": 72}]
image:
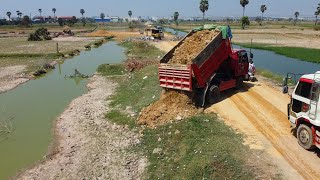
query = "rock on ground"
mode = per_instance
[{"x": 89, "y": 146}]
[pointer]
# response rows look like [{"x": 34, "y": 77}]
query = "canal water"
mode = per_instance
[
  {"x": 273, "y": 62},
  {"x": 35, "y": 104}
]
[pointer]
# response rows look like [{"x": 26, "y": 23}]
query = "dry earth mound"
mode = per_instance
[
  {"x": 192, "y": 46},
  {"x": 171, "y": 106}
]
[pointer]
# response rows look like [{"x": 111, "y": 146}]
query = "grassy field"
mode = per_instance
[
  {"x": 141, "y": 50},
  {"x": 304, "y": 54},
  {"x": 200, "y": 147}
]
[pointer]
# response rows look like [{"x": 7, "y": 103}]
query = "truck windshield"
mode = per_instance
[{"x": 303, "y": 89}]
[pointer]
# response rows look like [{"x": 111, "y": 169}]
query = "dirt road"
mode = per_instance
[{"x": 259, "y": 112}]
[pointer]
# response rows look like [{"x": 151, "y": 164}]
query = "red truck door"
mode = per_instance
[{"x": 243, "y": 63}]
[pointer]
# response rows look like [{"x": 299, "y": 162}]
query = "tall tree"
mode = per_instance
[
  {"x": 130, "y": 14},
  {"x": 82, "y": 11},
  {"x": 40, "y": 11},
  {"x": 9, "y": 15},
  {"x": 102, "y": 16},
  {"x": 204, "y": 6},
  {"x": 296, "y": 14},
  {"x": 317, "y": 13},
  {"x": 175, "y": 18},
  {"x": 54, "y": 12},
  {"x": 243, "y": 3},
  {"x": 263, "y": 8}
]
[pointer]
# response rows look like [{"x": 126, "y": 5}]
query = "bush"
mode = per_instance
[
  {"x": 245, "y": 21},
  {"x": 39, "y": 35}
]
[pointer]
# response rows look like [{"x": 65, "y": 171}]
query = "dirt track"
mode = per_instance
[{"x": 259, "y": 112}]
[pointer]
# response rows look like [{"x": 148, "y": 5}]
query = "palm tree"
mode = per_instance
[
  {"x": 40, "y": 11},
  {"x": 9, "y": 15},
  {"x": 130, "y": 14},
  {"x": 317, "y": 13},
  {"x": 263, "y": 8},
  {"x": 243, "y": 3},
  {"x": 296, "y": 14},
  {"x": 176, "y": 17},
  {"x": 54, "y": 12},
  {"x": 19, "y": 14},
  {"x": 204, "y": 6},
  {"x": 82, "y": 11}
]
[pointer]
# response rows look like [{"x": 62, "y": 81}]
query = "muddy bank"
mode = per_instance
[
  {"x": 11, "y": 77},
  {"x": 88, "y": 146}
]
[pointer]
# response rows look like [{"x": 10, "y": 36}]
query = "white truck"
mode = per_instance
[{"x": 303, "y": 111}]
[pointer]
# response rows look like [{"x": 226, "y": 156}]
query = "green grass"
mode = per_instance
[
  {"x": 304, "y": 54},
  {"x": 201, "y": 147},
  {"x": 120, "y": 118},
  {"x": 140, "y": 49},
  {"x": 277, "y": 78},
  {"x": 111, "y": 69},
  {"x": 138, "y": 92},
  {"x": 32, "y": 55}
]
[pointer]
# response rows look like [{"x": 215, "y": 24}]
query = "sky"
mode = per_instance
[{"x": 159, "y": 8}]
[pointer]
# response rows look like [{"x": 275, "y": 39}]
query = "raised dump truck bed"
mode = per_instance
[
  {"x": 206, "y": 73},
  {"x": 177, "y": 76}
]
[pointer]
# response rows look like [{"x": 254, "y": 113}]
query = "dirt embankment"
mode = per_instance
[
  {"x": 171, "y": 106},
  {"x": 119, "y": 35},
  {"x": 11, "y": 77},
  {"x": 88, "y": 146}
]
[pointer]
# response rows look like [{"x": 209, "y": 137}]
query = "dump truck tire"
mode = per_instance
[
  {"x": 213, "y": 94},
  {"x": 239, "y": 83},
  {"x": 305, "y": 138}
]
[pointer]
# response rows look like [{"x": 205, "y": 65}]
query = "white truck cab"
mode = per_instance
[{"x": 303, "y": 111}]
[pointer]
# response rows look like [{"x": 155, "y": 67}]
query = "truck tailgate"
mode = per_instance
[{"x": 175, "y": 76}]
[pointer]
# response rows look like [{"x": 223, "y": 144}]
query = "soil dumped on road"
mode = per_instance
[
  {"x": 192, "y": 46},
  {"x": 172, "y": 106}
]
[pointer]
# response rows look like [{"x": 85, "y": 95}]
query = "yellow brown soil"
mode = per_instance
[
  {"x": 192, "y": 46},
  {"x": 171, "y": 106},
  {"x": 259, "y": 112},
  {"x": 264, "y": 109},
  {"x": 119, "y": 35}
]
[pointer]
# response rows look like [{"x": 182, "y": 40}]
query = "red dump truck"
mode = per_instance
[{"x": 216, "y": 68}]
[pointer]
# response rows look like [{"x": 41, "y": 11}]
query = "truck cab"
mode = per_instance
[{"x": 303, "y": 111}]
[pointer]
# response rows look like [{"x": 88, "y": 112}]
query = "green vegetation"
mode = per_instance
[
  {"x": 276, "y": 78},
  {"x": 120, "y": 118},
  {"x": 141, "y": 49},
  {"x": 111, "y": 69},
  {"x": 138, "y": 91},
  {"x": 201, "y": 147},
  {"x": 304, "y": 54}
]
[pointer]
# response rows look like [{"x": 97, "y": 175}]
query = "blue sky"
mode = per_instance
[{"x": 160, "y": 8}]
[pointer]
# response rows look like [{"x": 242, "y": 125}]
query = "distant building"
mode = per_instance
[
  {"x": 114, "y": 19},
  {"x": 65, "y": 17},
  {"x": 105, "y": 20}
]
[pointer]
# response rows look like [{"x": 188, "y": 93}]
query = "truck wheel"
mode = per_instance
[
  {"x": 239, "y": 83},
  {"x": 305, "y": 138},
  {"x": 213, "y": 94}
]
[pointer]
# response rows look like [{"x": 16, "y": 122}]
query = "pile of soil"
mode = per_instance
[
  {"x": 172, "y": 106},
  {"x": 192, "y": 46},
  {"x": 100, "y": 33}
]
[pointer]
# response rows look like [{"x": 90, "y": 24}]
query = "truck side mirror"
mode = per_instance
[
  {"x": 285, "y": 85},
  {"x": 251, "y": 56}
]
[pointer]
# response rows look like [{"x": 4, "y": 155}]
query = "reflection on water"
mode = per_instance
[{"x": 35, "y": 104}]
